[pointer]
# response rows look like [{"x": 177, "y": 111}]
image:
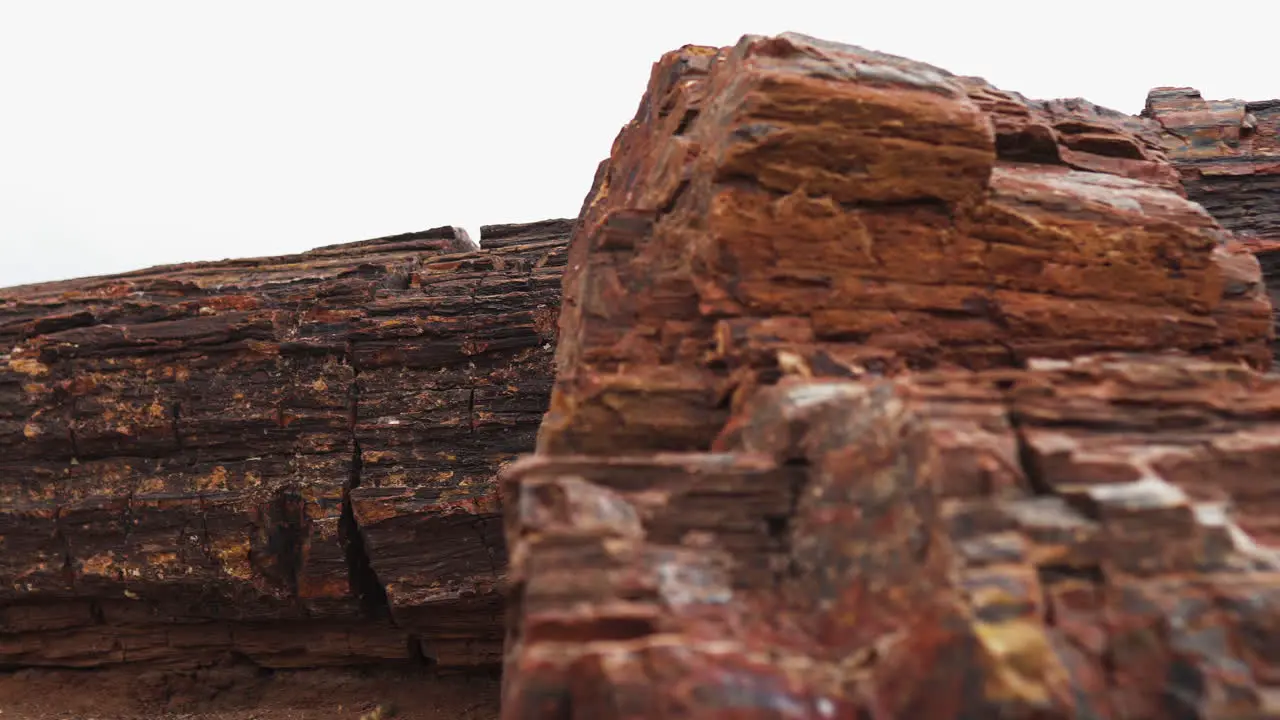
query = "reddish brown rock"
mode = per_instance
[
  {"x": 495, "y": 236},
  {"x": 790, "y": 201},
  {"x": 292, "y": 458},
  {"x": 1088, "y": 538},
  {"x": 1075, "y": 133},
  {"x": 1266, "y": 252},
  {"x": 743, "y": 506},
  {"x": 1228, "y": 154}
]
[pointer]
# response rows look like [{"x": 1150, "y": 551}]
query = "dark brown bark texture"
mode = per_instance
[
  {"x": 291, "y": 459},
  {"x": 885, "y": 394}
]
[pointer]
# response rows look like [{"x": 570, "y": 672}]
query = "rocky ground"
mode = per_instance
[{"x": 243, "y": 692}]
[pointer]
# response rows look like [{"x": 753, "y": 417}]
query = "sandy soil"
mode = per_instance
[{"x": 239, "y": 692}]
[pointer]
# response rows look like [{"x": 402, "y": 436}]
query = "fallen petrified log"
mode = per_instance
[
  {"x": 866, "y": 214},
  {"x": 1089, "y": 538},
  {"x": 851, "y": 420},
  {"x": 289, "y": 458}
]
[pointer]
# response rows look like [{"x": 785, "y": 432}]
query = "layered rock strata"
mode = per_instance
[
  {"x": 840, "y": 428},
  {"x": 862, "y": 213},
  {"x": 1228, "y": 152},
  {"x": 1088, "y": 538},
  {"x": 288, "y": 458},
  {"x": 1228, "y": 155},
  {"x": 1077, "y": 134}
]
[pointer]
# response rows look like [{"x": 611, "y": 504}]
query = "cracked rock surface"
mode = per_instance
[
  {"x": 885, "y": 394},
  {"x": 1228, "y": 155},
  {"x": 1094, "y": 537},
  {"x": 863, "y": 213},
  {"x": 290, "y": 459}
]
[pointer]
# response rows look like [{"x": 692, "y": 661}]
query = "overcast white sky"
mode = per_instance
[{"x": 135, "y": 133}]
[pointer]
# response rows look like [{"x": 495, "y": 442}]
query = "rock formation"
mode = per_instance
[
  {"x": 1050, "y": 543},
  {"x": 1228, "y": 154},
  {"x": 1075, "y": 133},
  {"x": 879, "y": 393},
  {"x": 856, "y": 213},
  {"x": 289, "y": 458},
  {"x": 864, "y": 409}
]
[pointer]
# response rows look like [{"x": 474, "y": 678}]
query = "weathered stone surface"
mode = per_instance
[
  {"x": 495, "y": 236},
  {"x": 1075, "y": 133},
  {"x": 1266, "y": 253},
  {"x": 292, "y": 458},
  {"x": 1228, "y": 154},
  {"x": 745, "y": 506},
  {"x": 1088, "y": 538},
  {"x": 790, "y": 201}
]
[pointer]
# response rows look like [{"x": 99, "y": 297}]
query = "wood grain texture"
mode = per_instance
[
  {"x": 1094, "y": 537},
  {"x": 1227, "y": 153},
  {"x": 885, "y": 394},
  {"x": 291, "y": 458},
  {"x": 868, "y": 214}
]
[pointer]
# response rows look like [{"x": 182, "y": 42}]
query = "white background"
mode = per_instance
[{"x": 135, "y": 133}]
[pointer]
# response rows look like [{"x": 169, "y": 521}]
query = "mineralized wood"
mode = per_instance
[
  {"x": 291, "y": 458},
  {"x": 830, "y": 437},
  {"x": 1228, "y": 155},
  {"x": 494, "y": 236},
  {"x": 790, "y": 201},
  {"x": 1075, "y": 133},
  {"x": 1228, "y": 152},
  {"x": 1095, "y": 537}
]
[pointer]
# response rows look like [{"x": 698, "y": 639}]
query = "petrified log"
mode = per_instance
[
  {"x": 1228, "y": 155},
  {"x": 1088, "y": 538},
  {"x": 496, "y": 236},
  {"x": 1075, "y": 133},
  {"x": 834, "y": 435},
  {"x": 292, "y": 458},
  {"x": 1228, "y": 152},
  {"x": 860, "y": 213}
]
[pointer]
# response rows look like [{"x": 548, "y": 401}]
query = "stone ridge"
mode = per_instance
[{"x": 291, "y": 458}]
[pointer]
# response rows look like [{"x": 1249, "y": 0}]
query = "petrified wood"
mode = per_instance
[
  {"x": 1075, "y": 133},
  {"x": 840, "y": 428},
  {"x": 1093, "y": 537},
  {"x": 1228, "y": 152},
  {"x": 790, "y": 200},
  {"x": 1228, "y": 155},
  {"x": 291, "y": 458}
]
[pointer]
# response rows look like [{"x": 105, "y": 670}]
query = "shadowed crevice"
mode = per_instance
[{"x": 363, "y": 581}]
